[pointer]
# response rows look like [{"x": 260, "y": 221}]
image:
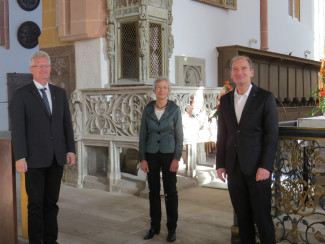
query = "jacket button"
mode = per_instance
[
  {"x": 51, "y": 137},
  {"x": 158, "y": 141},
  {"x": 158, "y": 123},
  {"x": 158, "y": 132},
  {"x": 238, "y": 131}
]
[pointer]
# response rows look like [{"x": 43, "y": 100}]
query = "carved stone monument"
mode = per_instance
[{"x": 139, "y": 40}]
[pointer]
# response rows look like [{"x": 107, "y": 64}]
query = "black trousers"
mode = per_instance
[
  {"x": 156, "y": 162},
  {"x": 43, "y": 188},
  {"x": 251, "y": 200}
]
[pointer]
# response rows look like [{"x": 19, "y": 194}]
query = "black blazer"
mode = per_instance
[
  {"x": 254, "y": 140},
  {"x": 37, "y": 136}
]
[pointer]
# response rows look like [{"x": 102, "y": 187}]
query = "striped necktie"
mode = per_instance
[{"x": 46, "y": 101}]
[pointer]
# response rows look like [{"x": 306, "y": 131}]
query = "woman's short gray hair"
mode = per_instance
[
  {"x": 159, "y": 79},
  {"x": 39, "y": 54}
]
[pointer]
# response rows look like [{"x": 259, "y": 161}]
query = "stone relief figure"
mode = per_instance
[
  {"x": 143, "y": 38},
  {"x": 60, "y": 73},
  {"x": 170, "y": 41},
  {"x": 76, "y": 112},
  {"x": 192, "y": 76}
]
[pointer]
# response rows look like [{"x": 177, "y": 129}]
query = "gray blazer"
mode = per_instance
[{"x": 164, "y": 135}]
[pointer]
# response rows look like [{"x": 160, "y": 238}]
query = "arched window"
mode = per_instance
[{"x": 294, "y": 9}]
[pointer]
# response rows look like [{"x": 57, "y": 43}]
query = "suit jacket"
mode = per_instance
[
  {"x": 164, "y": 135},
  {"x": 37, "y": 136},
  {"x": 254, "y": 139}
]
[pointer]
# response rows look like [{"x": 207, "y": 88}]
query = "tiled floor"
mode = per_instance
[{"x": 98, "y": 217}]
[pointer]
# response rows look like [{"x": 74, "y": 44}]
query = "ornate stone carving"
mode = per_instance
[
  {"x": 126, "y": 3},
  {"x": 111, "y": 118},
  {"x": 124, "y": 11},
  {"x": 159, "y": 3},
  {"x": 115, "y": 114},
  {"x": 63, "y": 72}
]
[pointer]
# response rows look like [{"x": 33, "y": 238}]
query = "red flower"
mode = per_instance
[
  {"x": 322, "y": 92},
  {"x": 227, "y": 83}
]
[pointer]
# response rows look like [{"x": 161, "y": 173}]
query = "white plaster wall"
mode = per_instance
[
  {"x": 91, "y": 63},
  {"x": 287, "y": 34},
  {"x": 15, "y": 59},
  {"x": 199, "y": 28}
]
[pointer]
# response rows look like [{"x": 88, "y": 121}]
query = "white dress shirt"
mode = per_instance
[
  {"x": 47, "y": 91},
  {"x": 240, "y": 101}
]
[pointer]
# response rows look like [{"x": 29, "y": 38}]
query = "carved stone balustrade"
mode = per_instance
[{"x": 106, "y": 124}]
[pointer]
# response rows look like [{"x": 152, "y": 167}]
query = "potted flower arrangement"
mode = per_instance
[
  {"x": 320, "y": 91},
  {"x": 225, "y": 89}
]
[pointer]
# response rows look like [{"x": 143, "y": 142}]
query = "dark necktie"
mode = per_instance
[{"x": 46, "y": 101}]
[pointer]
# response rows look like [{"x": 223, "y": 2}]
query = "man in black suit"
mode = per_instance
[
  {"x": 43, "y": 142},
  {"x": 246, "y": 146}
]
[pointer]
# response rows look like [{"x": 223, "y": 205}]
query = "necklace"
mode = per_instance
[{"x": 160, "y": 107}]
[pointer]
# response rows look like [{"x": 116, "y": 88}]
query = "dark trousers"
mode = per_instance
[
  {"x": 43, "y": 188},
  {"x": 251, "y": 200},
  {"x": 156, "y": 162}
]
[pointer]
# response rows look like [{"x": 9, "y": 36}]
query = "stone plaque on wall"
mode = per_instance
[
  {"x": 14, "y": 81},
  {"x": 190, "y": 71},
  {"x": 63, "y": 73}
]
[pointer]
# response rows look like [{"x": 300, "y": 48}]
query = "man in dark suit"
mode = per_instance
[
  {"x": 43, "y": 142},
  {"x": 246, "y": 146}
]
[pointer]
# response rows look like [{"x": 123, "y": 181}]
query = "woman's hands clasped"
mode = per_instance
[{"x": 173, "y": 166}]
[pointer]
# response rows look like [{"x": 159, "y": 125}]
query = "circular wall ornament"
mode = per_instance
[
  {"x": 28, "y": 33},
  {"x": 28, "y": 5}
]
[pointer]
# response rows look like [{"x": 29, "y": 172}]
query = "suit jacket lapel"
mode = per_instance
[
  {"x": 232, "y": 106},
  {"x": 249, "y": 102},
  {"x": 38, "y": 97},
  {"x": 151, "y": 113}
]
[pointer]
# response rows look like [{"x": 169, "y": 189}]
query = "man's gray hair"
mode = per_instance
[
  {"x": 240, "y": 57},
  {"x": 39, "y": 54},
  {"x": 161, "y": 79}
]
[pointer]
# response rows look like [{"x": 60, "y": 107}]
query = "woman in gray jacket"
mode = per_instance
[{"x": 160, "y": 148}]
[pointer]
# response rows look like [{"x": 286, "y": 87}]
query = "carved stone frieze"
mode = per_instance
[
  {"x": 126, "y": 3},
  {"x": 111, "y": 118},
  {"x": 159, "y": 3},
  {"x": 115, "y": 114}
]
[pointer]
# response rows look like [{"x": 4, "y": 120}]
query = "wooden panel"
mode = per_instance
[
  {"x": 274, "y": 80},
  {"x": 283, "y": 87},
  {"x": 263, "y": 76},
  {"x": 314, "y": 79},
  {"x": 299, "y": 83},
  {"x": 291, "y": 82},
  {"x": 255, "y": 78},
  {"x": 307, "y": 85},
  {"x": 8, "y": 210}
]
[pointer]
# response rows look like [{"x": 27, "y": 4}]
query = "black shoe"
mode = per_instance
[
  {"x": 171, "y": 236},
  {"x": 151, "y": 233}
]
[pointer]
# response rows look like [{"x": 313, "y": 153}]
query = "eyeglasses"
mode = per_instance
[{"x": 41, "y": 66}]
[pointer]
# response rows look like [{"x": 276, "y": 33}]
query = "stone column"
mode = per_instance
[{"x": 264, "y": 27}]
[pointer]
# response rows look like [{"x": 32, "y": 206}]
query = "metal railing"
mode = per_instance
[{"x": 298, "y": 188}]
